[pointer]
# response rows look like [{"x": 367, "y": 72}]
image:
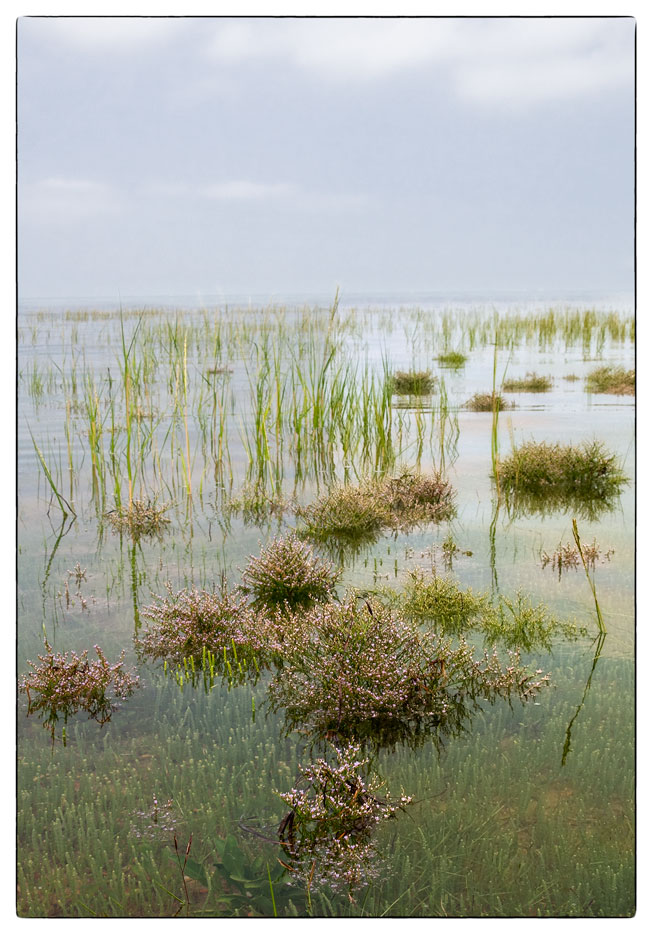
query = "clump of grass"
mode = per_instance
[
  {"x": 326, "y": 836},
  {"x": 518, "y": 624},
  {"x": 487, "y": 402},
  {"x": 412, "y": 382},
  {"x": 288, "y": 572},
  {"x": 571, "y": 377},
  {"x": 139, "y": 519},
  {"x": 362, "y": 512},
  {"x": 436, "y": 600},
  {"x": 531, "y": 382},
  {"x": 540, "y": 476},
  {"x": 567, "y": 557},
  {"x": 612, "y": 379},
  {"x": 64, "y": 684},
  {"x": 452, "y": 358},
  {"x": 367, "y": 672}
]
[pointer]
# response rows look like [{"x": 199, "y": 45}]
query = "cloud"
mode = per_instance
[
  {"x": 62, "y": 201},
  {"x": 503, "y": 61},
  {"x": 285, "y": 195},
  {"x": 101, "y": 33},
  {"x": 243, "y": 190}
]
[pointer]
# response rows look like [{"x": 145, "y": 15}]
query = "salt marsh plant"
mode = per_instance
[
  {"x": 567, "y": 557},
  {"x": 288, "y": 572},
  {"x": 518, "y": 624},
  {"x": 541, "y": 477},
  {"x": 334, "y": 808},
  {"x": 612, "y": 379},
  {"x": 487, "y": 402},
  {"x": 531, "y": 382},
  {"x": 367, "y": 673},
  {"x": 452, "y": 358},
  {"x": 64, "y": 684},
  {"x": 412, "y": 383},
  {"x": 438, "y": 601},
  {"x": 140, "y": 518},
  {"x": 361, "y": 513}
]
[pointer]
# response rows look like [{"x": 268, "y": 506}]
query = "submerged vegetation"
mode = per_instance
[
  {"x": 612, "y": 379},
  {"x": 452, "y": 358},
  {"x": 139, "y": 518}
]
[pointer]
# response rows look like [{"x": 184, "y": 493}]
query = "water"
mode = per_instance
[{"x": 499, "y": 825}]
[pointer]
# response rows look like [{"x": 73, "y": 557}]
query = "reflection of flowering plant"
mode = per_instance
[
  {"x": 326, "y": 835},
  {"x": 65, "y": 684}
]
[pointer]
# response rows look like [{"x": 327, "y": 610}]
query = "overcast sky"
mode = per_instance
[{"x": 273, "y": 157}]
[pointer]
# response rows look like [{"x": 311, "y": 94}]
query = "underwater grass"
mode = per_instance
[
  {"x": 612, "y": 379},
  {"x": 452, "y": 358}
]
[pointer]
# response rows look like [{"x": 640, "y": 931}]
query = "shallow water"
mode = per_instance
[{"x": 499, "y": 825}]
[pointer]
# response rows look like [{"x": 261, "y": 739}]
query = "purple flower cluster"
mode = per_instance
[{"x": 288, "y": 571}]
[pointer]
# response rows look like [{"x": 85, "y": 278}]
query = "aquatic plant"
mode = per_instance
[
  {"x": 256, "y": 505},
  {"x": 366, "y": 671},
  {"x": 326, "y": 836},
  {"x": 362, "y": 512},
  {"x": 64, "y": 684},
  {"x": 612, "y": 379},
  {"x": 436, "y": 600},
  {"x": 531, "y": 382},
  {"x": 517, "y": 624},
  {"x": 539, "y": 476},
  {"x": 487, "y": 402},
  {"x": 288, "y": 571},
  {"x": 412, "y": 382},
  {"x": 567, "y": 557},
  {"x": 202, "y": 626},
  {"x": 452, "y": 359},
  {"x": 139, "y": 518}
]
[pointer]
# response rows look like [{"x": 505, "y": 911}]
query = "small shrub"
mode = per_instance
[
  {"x": 412, "y": 383},
  {"x": 63, "y": 685},
  {"x": 486, "y": 402},
  {"x": 327, "y": 834},
  {"x": 612, "y": 379},
  {"x": 452, "y": 358},
  {"x": 365, "y": 672},
  {"x": 289, "y": 572},
  {"x": 199, "y": 631},
  {"x": 529, "y": 383}
]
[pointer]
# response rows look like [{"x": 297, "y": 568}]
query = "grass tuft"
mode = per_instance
[
  {"x": 487, "y": 402},
  {"x": 139, "y": 519},
  {"x": 412, "y": 383},
  {"x": 453, "y": 359},
  {"x": 612, "y": 379},
  {"x": 531, "y": 382}
]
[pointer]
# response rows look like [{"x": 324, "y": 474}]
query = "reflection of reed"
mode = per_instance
[
  {"x": 492, "y": 547},
  {"x": 567, "y": 742}
]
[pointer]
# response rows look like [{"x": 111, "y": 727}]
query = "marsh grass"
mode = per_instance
[
  {"x": 567, "y": 557},
  {"x": 436, "y": 600},
  {"x": 361, "y": 513},
  {"x": 140, "y": 518},
  {"x": 518, "y": 624},
  {"x": 65, "y": 684},
  {"x": 531, "y": 382},
  {"x": 612, "y": 379},
  {"x": 288, "y": 572},
  {"x": 256, "y": 504},
  {"x": 540, "y": 477},
  {"x": 487, "y": 402},
  {"x": 412, "y": 382},
  {"x": 453, "y": 359}
]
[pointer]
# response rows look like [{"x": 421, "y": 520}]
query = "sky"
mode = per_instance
[{"x": 274, "y": 157}]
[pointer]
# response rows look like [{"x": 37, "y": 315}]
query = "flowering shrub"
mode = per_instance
[
  {"x": 289, "y": 572},
  {"x": 326, "y": 834},
  {"x": 367, "y": 672},
  {"x": 65, "y": 684},
  {"x": 215, "y": 631}
]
